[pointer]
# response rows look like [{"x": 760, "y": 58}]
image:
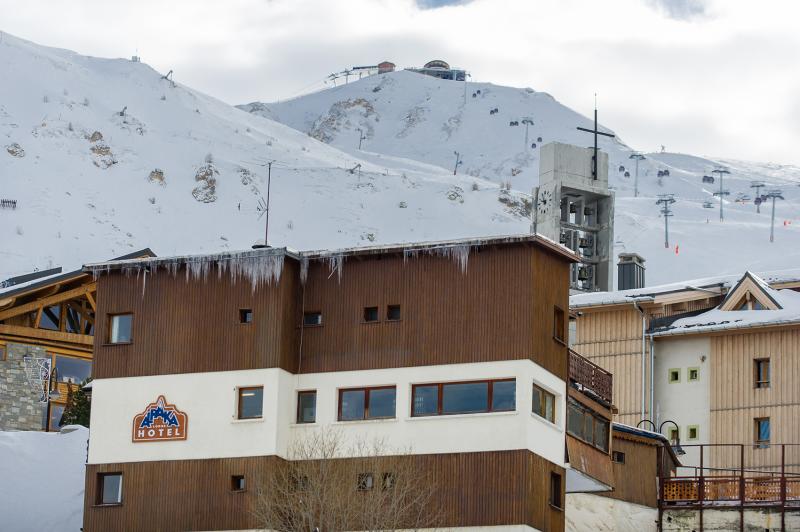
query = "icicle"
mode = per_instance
[
  {"x": 303, "y": 270},
  {"x": 457, "y": 253},
  {"x": 335, "y": 263},
  {"x": 144, "y": 281}
]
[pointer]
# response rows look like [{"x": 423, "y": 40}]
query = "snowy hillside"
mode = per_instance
[
  {"x": 181, "y": 172},
  {"x": 404, "y": 114}
]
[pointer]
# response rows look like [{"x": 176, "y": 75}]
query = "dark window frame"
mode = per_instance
[
  {"x": 762, "y": 444},
  {"x": 618, "y": 457},
  {"x": 365, "y": 482},
  {"x": 111, "y": 317},
  {"x": 440, "y": 397},
  {"x": 245, "y": 316},
  {"x": 235, "y": 483},
  {"x": 556, "y": 497},
  {"x": 239, "y": 391},
  {"x": 559, "y": 317},
  {"x": 375, "y": 309},
  {"x": 299, "y": 418},
  {"x": 389, "y": 309},
  {"x": 757, "y": 364},
  {"x": 319, "y": 322},
  {"x": 589, "y": 419},
  {"x": 543, "y": 395},
  {"x": 366, "y": 390},
  {"x": 100, "y": 485}
]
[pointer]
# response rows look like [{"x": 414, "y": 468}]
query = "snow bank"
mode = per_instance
[
  {"x": 591, "y": 513},
  {"x": 42, "y": 477}
]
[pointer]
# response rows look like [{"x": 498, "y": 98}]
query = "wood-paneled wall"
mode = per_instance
[
  {"x": 736, "y": 402},
  {"x": 637, "y": 479},
  {"x": 474, "y": 489},
  {"x": 501, "y": 308},
  {"x": 613, "y": 340},
  {"x": 187, "y": 327}
]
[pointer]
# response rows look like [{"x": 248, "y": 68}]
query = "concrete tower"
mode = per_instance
[{"x": 577, "y": 210}]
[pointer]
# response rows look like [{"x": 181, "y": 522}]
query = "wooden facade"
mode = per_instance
[
  {"x": 502, "y": 307},
  {"x": 474, "y": 489}
]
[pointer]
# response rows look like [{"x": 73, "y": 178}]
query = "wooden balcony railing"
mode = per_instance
[
  {"x": 589, "y": 377},
  {"x": 744, "y": 490}
]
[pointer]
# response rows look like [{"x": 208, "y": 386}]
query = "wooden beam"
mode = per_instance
[
  {"x": 81, "y": 309},
  {"x": 47, "y": 301},
  {"x": 38, "y": 320},
  {"x": 91, "y": 301},
  {"x": 30, "y": 332},
  {"x": 7, "y": 302}
]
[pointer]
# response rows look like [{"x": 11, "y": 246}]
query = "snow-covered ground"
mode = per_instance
[
  {"x": 42, "y": 476},
  {"x": 592, "y": 513},
  {"x": 181, "y": 172}
]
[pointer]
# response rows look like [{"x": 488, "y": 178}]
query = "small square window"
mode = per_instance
[
  {"x": 109, "y": 488},
  {"x": 245, "y": 315},
  {"x": 544, "y": 404},
  {"x": 307, "y": 406},
  {"x": 674, "y": 376},
  {"x": 555, "y": 490},
  {"x": 311, "y": 319},
  {"x": 370, "y": 314},
  {"x": 365, "y": 481},
  {"x": 618, "y": 457},
  {"x": 389, "y": 481},
  {"x": 393, "y": 313},
  {"x": 251, "y": 402},
  {"x": 120, "y": 328},
  {"x": 238, "y": 483},
  {"x": 693, "y": 374},
  {"x": 692, "y": 432}
]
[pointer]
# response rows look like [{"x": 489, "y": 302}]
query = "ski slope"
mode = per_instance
[{"x": 408, "y": 115}]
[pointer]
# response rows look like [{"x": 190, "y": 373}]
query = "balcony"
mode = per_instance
[{"x": 590, "y": 378}]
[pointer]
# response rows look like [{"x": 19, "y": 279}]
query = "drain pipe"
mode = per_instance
[
  {"x": 652, "y": 374},
  {"x": 644, "y": 357}
]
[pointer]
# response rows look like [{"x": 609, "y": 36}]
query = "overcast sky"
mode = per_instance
[{"x": 709, "y": 77}]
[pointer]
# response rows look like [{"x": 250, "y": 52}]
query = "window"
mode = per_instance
[
  {"x": 245, "y": 315},
  {"x": 555, "y": 490},
  {"x": 761, "y": 372},
  {"x": 120, "y": 329},
  {"x": 311, "y": 319},
  {"x": 618, "y": 457},
  {"x": 674, "y": 375},
  {"x": 365, "y": 481},
  {"x": 370, "y": 314},
  {"x": 51, "y": 318},
  {"x": 693, "y": 374},
  {"x": 389, "y": 481},
  {"x": 544, "y": 404},
  {"x": 237, "y": 483},
  {"x": 573, "y": 331},
  {"x": 692, "y": 432},
  {"x": 674, "y": 436},
  {"x": 463, "y": 397},
  {"x": 367, "y": 403},
  {"x": 251, "y": 402},
  {"x": 307, "y": 406},
  {"x": 56, "y": 411},
  {"x": 586, "y": 426},
  {"x": 73, "y": 370},
  {"x": 393, "y": 313},
  {"x": 109, "y": 488},
  {"x": 559, "y": 332},
  {"x": 762, "y": 432}
]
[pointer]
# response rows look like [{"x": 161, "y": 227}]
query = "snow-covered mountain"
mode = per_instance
[
  {"x": 404, "y": 114},
  {"x": 106, "y": 156}
]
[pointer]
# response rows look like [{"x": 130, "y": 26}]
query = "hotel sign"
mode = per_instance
[{"x": 160, "y": 421}]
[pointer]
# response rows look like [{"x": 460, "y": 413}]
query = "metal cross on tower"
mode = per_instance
[
  {"x": 595, "y": 132},
  {"x": 665, "y": 201}
]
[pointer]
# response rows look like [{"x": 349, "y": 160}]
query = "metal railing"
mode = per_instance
[{"x": 589, "y": 377}]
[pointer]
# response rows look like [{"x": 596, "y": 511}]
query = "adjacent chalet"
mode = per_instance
[
  {"x": 208, "y": 367},
  {"x": 46, "y": 339},
  {"x": 712, "y": 364}
]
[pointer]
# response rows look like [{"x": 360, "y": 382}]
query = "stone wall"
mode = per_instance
[
  {"x": 20, "y": 408},
  {"x": 725, "y": 519}
]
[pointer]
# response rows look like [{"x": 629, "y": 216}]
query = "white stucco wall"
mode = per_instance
[
  {"x": 209, "y": 400},
  {"x": 686, "y": 403}
]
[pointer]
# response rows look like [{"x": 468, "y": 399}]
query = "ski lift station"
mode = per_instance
[{"x": 441, "y": 69}]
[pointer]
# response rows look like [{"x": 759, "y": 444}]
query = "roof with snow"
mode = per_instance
[{"x": 649, "y": 293}]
